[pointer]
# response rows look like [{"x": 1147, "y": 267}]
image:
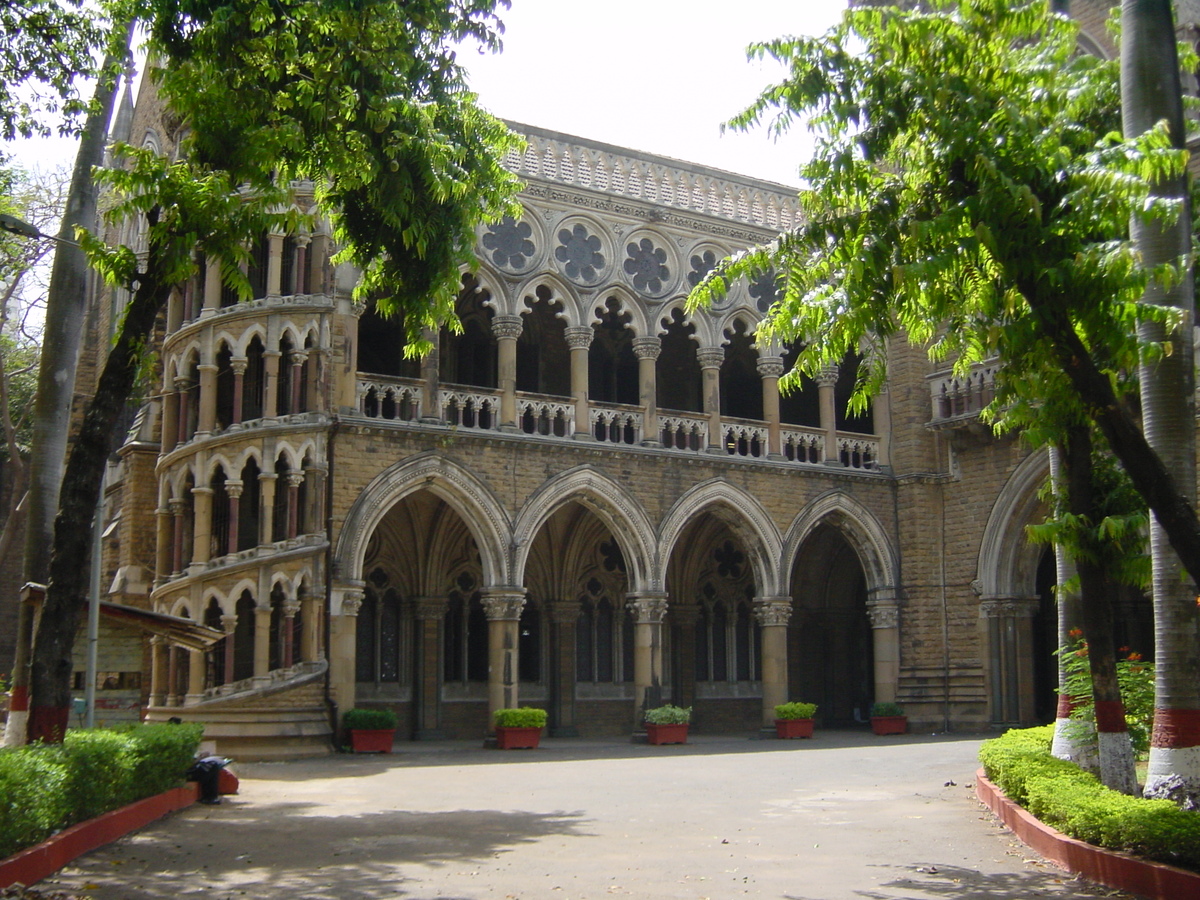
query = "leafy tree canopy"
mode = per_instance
[{"x": 45, "y": 48}]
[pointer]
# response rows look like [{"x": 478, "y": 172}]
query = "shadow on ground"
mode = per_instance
[
  {"x": 226, "y": 857},
  {"x": 957, "y": 883}
]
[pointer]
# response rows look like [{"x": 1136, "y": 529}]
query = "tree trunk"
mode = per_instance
[
  {"x": 66, "y": 307},
  {"x": 1150, "y": 93},
  {"x": 67, "y": 590},
  {"x": 1096, "y": 603}
]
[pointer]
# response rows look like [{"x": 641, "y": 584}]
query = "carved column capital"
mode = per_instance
[
  {"x": 647, "y": 347},
  {"x": 648, "y": 608},
  {"x": 773, "y": 611},
  {"x": 883, "y": 613},
  {"x": 770, "y": 366},
  {"x": 710, "y": 357},
  {"x": 352, "y": 602},
  {"x": 233, "y": 489},
  {"x": 828, "y": 375},
  {"x": 291, "y": 607},
  {"x": 579, "y": 337},
  {"x": 295, "y": 479},
  {"x": 229, "y": 623},
  {"x": 503, "y": 604},
  {"x": 506, "y": 327}
]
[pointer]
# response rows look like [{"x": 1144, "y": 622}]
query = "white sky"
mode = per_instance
[{"x": 653, "y": 75}]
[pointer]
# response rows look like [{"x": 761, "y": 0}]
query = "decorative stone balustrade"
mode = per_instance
[
  {"x": 961, "y": 397},
  {"x": 615, "y": 424}
]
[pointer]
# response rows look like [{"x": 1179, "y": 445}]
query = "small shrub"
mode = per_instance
[
  {"x": 369, "y": 719},
  {"x": 795, "y": 710},
  {"x": 668, "y": 715},
  {"x": 524, "y": 717},
  {"x": 886, "y": 708},
  {"x": 1065, "y": 797},
  {"x": 46, "y": 788}
]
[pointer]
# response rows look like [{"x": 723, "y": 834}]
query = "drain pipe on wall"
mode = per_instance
[{"x": 330, "y": 457}]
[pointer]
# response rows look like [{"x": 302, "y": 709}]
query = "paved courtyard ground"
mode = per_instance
[{"x": 844, "y": 816}]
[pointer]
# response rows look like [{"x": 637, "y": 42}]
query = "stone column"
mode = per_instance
[
  {"x": 770, "y": 368},
  {"x": 170, "y": 420},
  {"x": 1009, "y": 623},
  {"x": 647, "y": 349},
  {"x": 431, "y": 382},
  {"x": 502, "y": 606},
  {"x": 299, "y": 358},
  {"x": 262, "y": 641},
  {"x": 316, "y": 264},
  {"x": 176, "y": 507},
  {"x": 234, "y": 490},
  {"x": 163, "y": 545},
  {"x": 238, "y": 364},
  {"x": 310, "y": 623},
  {"x": 182, "y": 433},
  {"x": 212, "y": 286},
  {"x": 195, "y": 690},
  {"x": 314, "y": 477},
  {"x": 345, "y": 604},
  {"x": 274, "y": 264},
  {"x": 649, "y": 610},
  {"x": 207, "y": 417},
  {"x": 158, "y": 670},
  {"x": 579, "y": 339},
  {"x": 507, "y": 329},
  {"x": 881, "y": 422},
  {"x": 270, "y": 383},
  {"x": 826, "y": 382},
  {"x": 710, "y": 359},
  {"x": 266, "y": 510},
  {"x": 229, "y": 623},
  {"x": 290, "y": 608},
  {"x": 294, "y": 480},
  {"x": 564, "y": 618},
  {"x": 430, "y": 613},
  {"x": 300, "y": 278},
  {"x": 172, "y": 675},
  {"x": 201, "y": 523},
  {"x": 883, "y": 609},
  {"x": 683, "y": 682},
  {"x": 773, "y": 614}
]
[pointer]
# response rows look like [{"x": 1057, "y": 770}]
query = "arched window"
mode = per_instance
[
  {"x": 603, "y": 638},
  {"x": 243, "y": 638},
  {"x": 216, "y": 657},
  {"x": 248, "y": 507},
  {"x": 466, "y": 651},
  {"x": 379, "y": 640}
]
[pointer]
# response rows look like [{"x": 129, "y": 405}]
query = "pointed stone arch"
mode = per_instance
[
  {"x": 744, "y": 515},
  {"x": 1008, "y": 560},
  {"x": 859, "y": 526},
  {"x": 451, "y": 482},
  {"x": 616, "y": 508}
]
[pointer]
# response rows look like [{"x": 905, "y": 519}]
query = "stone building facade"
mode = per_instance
[{"x": 590, "y": 500}]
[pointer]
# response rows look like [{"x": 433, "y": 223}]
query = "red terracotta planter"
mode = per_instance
[
  {"x": 889, "y": 724},
  {"x": 372, "y": 740},
  {"x": 510, "y": 737},
  {"x": 794, "y": 728},
  {"x": 667, "y": 734}
]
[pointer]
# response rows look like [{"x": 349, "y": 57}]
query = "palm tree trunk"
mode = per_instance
[{"x": 1150, "y": 93}]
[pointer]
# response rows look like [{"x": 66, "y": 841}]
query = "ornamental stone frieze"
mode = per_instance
[{"x": 1009, "y": 607}]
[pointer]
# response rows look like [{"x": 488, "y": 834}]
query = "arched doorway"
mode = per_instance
[{"x": 830, "y": 645}]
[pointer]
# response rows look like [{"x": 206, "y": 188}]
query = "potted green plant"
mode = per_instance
[
  {"x": 888, "y": 718},
  {"x": 519, "y": 729},
  {"x": 667, "y": 724},
  {"x": 794, "y": 719},
  {"x": 370, "y": 730}
]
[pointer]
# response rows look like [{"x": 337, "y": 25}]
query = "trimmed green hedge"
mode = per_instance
[
  {"x": 521, "y": 717},
  {"x": 361, "y": 719},
  {"x": 1062, "y": 795},
  {"x": 46, "y": 788}
]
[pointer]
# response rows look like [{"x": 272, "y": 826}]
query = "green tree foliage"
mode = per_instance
[
  {"x": 366, "y": 101},
  {"x": 970, "y": 192},
  {"x": 46, "y": 49}
]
